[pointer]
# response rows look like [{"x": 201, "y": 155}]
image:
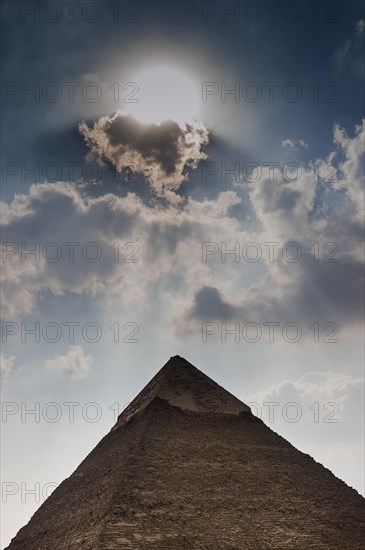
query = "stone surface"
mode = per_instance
[
  {"x": 187, "y": 466},
  {"x": 183, "y": 385}
]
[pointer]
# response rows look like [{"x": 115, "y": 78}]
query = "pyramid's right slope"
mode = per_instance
[{"x": 187, "y": 466}]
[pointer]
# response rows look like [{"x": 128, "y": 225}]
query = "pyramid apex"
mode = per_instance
[
  {"x": 177, "y": 360},
  {"x": 182, "y": 385}
]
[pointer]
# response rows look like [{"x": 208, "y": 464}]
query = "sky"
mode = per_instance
[{"x": 179, "y": 178}]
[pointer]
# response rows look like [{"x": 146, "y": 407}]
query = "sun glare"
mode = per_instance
[{"x": 164, "y": 93}]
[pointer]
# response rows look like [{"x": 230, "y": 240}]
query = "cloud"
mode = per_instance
[
  {"x": 162, "y": 240},
  {"x": 60, "y": 213},
  {"x": 283, "y": 206},
  {"x": 161, "y": 152},
  {"x": 304, "y": 204},
  {"x": 351, "y": 52},
  {"x": 302, "y": 292},
  {"x": 301, "y": 209},
  {"x": 351, "y": 170},
  {"x": 6, "y": 365},
  {"x": 313, "y": 386},
  {"x": 74, "y": 363},
  {"x": 210, "y": 305},
  {"x": 294, "y": 145},
  {"x": 360, "y": 26}
]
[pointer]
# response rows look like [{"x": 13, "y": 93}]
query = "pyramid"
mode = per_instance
[{"x": 188, "y": 466}]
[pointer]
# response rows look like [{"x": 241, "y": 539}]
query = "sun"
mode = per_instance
[{"x": 164, "y": 92}]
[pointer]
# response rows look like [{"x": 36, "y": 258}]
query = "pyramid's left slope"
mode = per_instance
[{"x": 73, "y": 516}]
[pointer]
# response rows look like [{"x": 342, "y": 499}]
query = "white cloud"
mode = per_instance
[
  {"x": 293, "y": 144},
  {"x": 327, "y": 386},
  {"x": 74, "y": 363},
  {"x": 360, "y": 26},
  {"x": 351, "y": 170},
  {"x": 284, "y": 205},
  {"x": 6, "y": 365},
  {"x": 350, "y": 54}
]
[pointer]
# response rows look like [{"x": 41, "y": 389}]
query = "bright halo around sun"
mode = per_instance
[{"x": 164, "y": 93}]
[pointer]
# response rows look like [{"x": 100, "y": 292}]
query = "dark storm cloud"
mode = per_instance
[
  {"x": 161, "y": 152},
  {"x": 210, "y": 305},
  {"x": 302, "y": 293},
  {"x": 157, "y": 143}
]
